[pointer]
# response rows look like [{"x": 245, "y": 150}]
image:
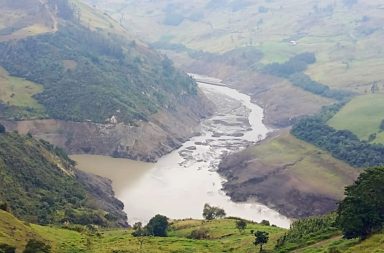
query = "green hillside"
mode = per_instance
[
  {"x": 40, "y": 184},
  {"x": 310, "y": 181},
  {"x": 344, "y": 35},
  {"x": 224, "y": 237},
  {"x": 90, "y": 75},
  {"x": 362, "y": 116}
]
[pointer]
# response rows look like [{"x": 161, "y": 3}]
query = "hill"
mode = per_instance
[
  {"x": 224, "y": 237},
  {"x": 342, "y": 34},
  {"x": 87, "y": 70},
  {"x": 40, "y": 184},
  {"x": 92, "y": 76},
  {"x": 296, "y": 178}
]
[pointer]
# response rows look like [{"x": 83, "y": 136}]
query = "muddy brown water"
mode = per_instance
[{"x": 180, "y": 183}]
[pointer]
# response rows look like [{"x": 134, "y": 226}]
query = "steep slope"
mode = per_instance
[
  {"x": 98, "y": 76},
  {"x": 40, "y": 184},
  {"x": 294, "y": 177}
]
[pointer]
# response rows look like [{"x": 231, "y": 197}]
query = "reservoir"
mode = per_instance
[{"x": 180, "y": 183}]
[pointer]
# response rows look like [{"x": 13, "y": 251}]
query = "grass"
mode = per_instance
[
  {"x": 18, "y": 91},
  {"x": 362, "y": 115},
  {"x": 24, "y": 19},
  {"x": 337, "y": 37},
  {"x": 313, "y": 170},
  {"x": 224, "y": 237}
]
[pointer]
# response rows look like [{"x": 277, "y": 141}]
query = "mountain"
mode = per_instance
[
  {"x": 82, "y": 73},
  {"x": 40, "y": 184}
]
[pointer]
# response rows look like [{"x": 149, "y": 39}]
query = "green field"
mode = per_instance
[
  {"x": 362, "y": 116},
  {"x": 224, "y": 237},
  {"x": 306, "y": 169},
  {"x": 346, "y": 39},
  {"x": 18, "y": 91}
]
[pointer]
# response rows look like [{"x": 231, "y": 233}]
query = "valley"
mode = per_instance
[
  {"x": 180, "y": 183},
  {"x": 265, "y": 118}
]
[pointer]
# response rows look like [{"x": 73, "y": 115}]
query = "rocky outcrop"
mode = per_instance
[
  {"x": 103, "y": 197},
  {"x": 146, "y": 141}
]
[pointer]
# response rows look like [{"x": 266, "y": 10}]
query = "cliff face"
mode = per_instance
[{"x": 146, "y": 141}]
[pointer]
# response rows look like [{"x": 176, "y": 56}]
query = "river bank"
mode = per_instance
[{"x": 180, "y": 183}]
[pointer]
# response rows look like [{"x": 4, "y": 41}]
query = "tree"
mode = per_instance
[
  {"x": 361, "y": 213},
  {"x": 261, "y": 238},
  {"x": 34, "y": 246},
  {"x": 2, "y": 129},
  {"x": 241, "y": 225},
  {"x": 212, "y": 212},
  {"x": 140, "y": 233},
  {"x": 158, "y": 225},
  {"x": 265, "y": 223}
]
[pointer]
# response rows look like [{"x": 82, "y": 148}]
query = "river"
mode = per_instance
[{"x": 180, "y": 183}]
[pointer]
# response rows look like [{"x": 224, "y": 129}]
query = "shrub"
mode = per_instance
[
  {"x": 265, "y": 223},
  {"x": 158, "y": 226},
  {"x": 199, "y": 234},
  {"x": 34, "y": 246}
]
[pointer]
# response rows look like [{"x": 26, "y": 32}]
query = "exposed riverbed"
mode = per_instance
[{"x": 180, "y": 183}]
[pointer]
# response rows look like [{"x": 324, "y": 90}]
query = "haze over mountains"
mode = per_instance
[{"x": 110, "y": 78}]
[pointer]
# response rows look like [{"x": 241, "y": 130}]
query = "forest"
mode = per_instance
[
  {"x": 342, "y": 144},
  {"x": 98, "y": 78}
]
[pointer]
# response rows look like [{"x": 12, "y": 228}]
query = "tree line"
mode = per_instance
[{"x": 293, "y": 70}]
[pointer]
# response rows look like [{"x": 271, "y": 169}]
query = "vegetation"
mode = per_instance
[
  {"x": 199, "y": 234},
  {"x": 158, "y": 226},
  {"x": 40, "y": 184},
  {"x": 212, "y": 212},
  {"x": 16, "y": 98},
  {"x": 342, "y": 144},
  {"x": 34, "y": 246},
  {"x": 363, "y": 116},
  {"x": 361, "y": 213},
  {"x": 5, "y": 248},
  {"x": 261, "y": 238},
  {"x": 307, "y": 231},
  {"x": 284, "y": 158},
  {"x": 241, "y": 225},
  {"x": 223, "y": 237},
  {"x": 293, "y": 70},
  {"x": 122, "y": 78}
]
